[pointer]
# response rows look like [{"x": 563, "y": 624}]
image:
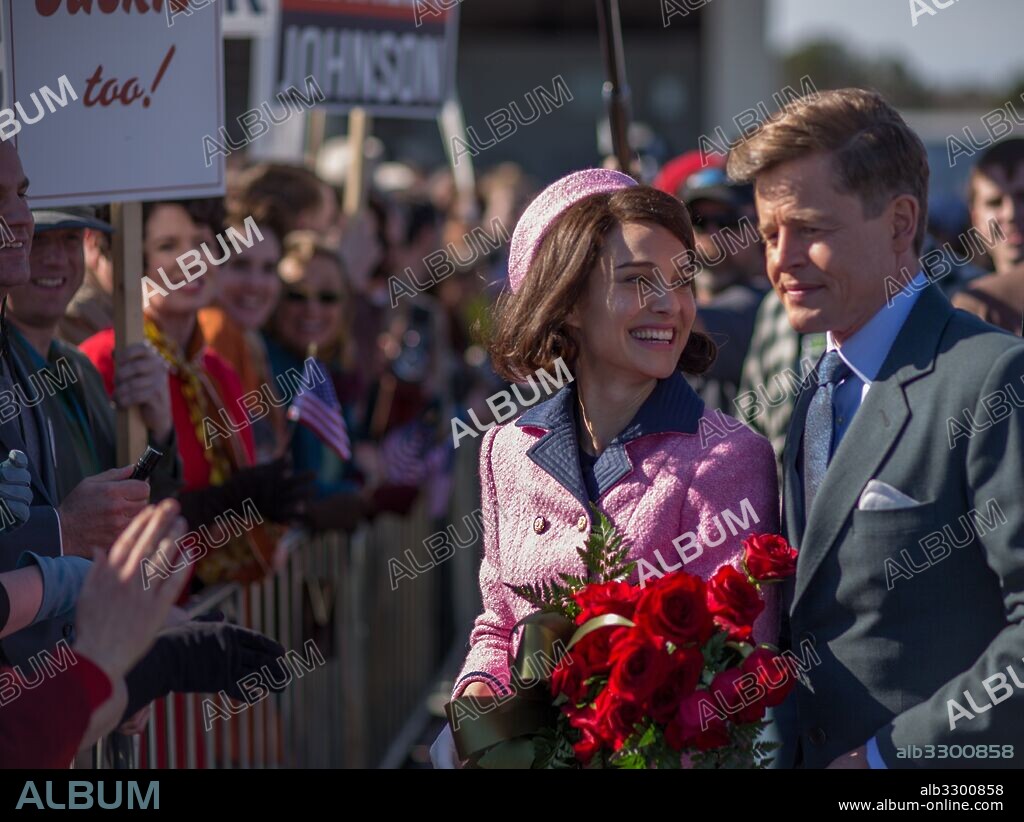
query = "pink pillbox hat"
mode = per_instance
[{"x": 548, "y": 206}]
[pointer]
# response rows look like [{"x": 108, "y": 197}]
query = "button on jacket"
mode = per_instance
[{"x": 674, "y": 470}]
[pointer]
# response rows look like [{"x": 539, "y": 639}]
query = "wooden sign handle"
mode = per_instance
[
  {"x": 127, "y": 259},
  {"x": 355, "y": 179}
]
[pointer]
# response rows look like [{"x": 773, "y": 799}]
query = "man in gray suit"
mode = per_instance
[
  {"x": 904, "y": 464},
  {"x": 96, "y": 511}
]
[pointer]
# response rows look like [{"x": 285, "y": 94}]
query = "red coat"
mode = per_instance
[
  {"x": 99, "y": 348},
  {"x": 42, "y": 726}
]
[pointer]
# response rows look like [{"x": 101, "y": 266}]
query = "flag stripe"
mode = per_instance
[{"x": 319, "y": 410}]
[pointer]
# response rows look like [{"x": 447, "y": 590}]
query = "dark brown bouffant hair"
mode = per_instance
[
  {"x": 874, "y": 153},
  {"x": 530, "y": 325},
  {"x": 276, "y": 193}
]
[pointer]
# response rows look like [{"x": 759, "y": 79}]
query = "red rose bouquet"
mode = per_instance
[{"x": 656, "y": 677}]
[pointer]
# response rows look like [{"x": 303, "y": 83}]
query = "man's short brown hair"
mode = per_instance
[
  {"x": 874, "y": 153},
  {"x": 1005, "y": 156}
]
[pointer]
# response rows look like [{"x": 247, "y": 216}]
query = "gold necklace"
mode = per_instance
[{"x": 586, "y": 423}]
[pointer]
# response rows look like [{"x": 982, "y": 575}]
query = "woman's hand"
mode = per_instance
[
  {"x": 478, "y": 689},
  {"x": 117, "y": 615},
  {"x": 442, "y": 753},
  {"x": 140, "y": 378},
  {"x": 137, "y": 724}
]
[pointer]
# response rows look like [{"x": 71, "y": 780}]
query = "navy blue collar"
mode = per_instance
[{"x": 672, "y": 407}]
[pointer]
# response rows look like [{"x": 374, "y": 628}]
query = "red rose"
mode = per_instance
[
  {"x": 769, "y": 557},
  {"x": 681, "y": 678},
  {"x": 617, "y": 718},
  {"x": 742, "y": 701},
  {"x": 568, "y": 678},
  {"x": 675, "y": 607},
  {"x": 639, "y": 665},
  {"x": 606, "y": 598},
  {"x": 586, "y": 722},
  {"x": 773, "y": 673},
  {"x": 593, "y": 652},
  {"x": 698, "y": 723},
  {"x": 733, "y": 602}
]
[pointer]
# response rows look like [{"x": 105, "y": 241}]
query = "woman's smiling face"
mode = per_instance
[
  {"x": 311, "y": 307},
  {"x": 170, "y": 233},
  {"x": 248, "y": 285},
  {"x": 624, "y": 328}
]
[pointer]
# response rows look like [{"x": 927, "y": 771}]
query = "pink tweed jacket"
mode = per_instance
[{"x": 684, "y": 486}]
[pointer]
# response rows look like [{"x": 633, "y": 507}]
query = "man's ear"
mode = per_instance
[{"x": 905, "y": 213}]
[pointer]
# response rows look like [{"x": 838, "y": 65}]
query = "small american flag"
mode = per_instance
[
  {"x": 319, "y": 410},
  {"x": 404, "y": 451}
]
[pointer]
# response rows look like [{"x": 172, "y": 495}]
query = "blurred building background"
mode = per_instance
[{"x": 687, "y": 78}]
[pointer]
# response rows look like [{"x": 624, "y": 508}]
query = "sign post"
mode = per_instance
[{"x": 126, "y": 247}]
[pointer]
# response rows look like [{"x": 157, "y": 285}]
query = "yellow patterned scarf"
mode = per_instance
[
  {"x": 200, "y": 396},
  {"x": 246, "y": 557}
]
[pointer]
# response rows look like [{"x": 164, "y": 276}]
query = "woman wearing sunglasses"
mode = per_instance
[{"x": 311, "y": 320}]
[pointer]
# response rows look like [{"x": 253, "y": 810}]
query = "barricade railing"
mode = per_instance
[{"x": 371, "y": 650}]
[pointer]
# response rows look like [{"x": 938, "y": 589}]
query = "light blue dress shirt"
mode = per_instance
[{"x": 864, "y": 353}]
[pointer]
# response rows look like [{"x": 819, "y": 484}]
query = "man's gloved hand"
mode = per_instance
[
  {"x": 15, "y": 491},
  {"x": 279, "y": 494},
  {"x": 204, "y": 658}
]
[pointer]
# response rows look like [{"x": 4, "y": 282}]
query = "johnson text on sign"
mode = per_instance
[{"x": 385, "y": 57}]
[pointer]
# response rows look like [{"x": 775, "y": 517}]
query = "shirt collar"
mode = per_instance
[
  {"x": 673, "y": 406},
  {"x": 865, "y": 351}
]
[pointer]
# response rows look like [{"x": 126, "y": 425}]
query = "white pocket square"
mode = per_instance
[{"x": 880, "y": 496}]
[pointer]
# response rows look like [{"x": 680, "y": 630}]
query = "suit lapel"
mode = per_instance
[
  {"x": 42, "y": 475},
  {"x": 673, "y": 406},
  {"x": 11, "y": 440},
  {"x": 872, "y": 435},
  {"x": 556, "y": 452}
]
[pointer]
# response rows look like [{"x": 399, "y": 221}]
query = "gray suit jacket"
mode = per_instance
[
  {"x": 42, "y": 531},
  {"x": 909, "y": 609},
  {"x": 165, "y": 481}
]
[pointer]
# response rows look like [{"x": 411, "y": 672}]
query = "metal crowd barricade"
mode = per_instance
[{"x": 382, "y": 650}]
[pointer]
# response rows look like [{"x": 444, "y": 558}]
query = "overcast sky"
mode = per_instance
[{"x": 981, "y": 41}]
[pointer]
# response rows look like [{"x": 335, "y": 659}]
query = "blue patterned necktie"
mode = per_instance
[{"x": 819, "y": 425}]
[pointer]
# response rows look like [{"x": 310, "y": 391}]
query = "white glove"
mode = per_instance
[{"x": 442, "y": 752}]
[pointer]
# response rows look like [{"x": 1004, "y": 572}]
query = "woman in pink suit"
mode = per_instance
[{"x": 594, "y": 280}]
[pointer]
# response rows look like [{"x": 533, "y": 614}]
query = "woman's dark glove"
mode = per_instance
[
  {"x": 279, "y": 494},
  {"x": 203, "y": 658},
  {"x": 393, "y": 499},
  {"x": 338, "y": 512}
]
